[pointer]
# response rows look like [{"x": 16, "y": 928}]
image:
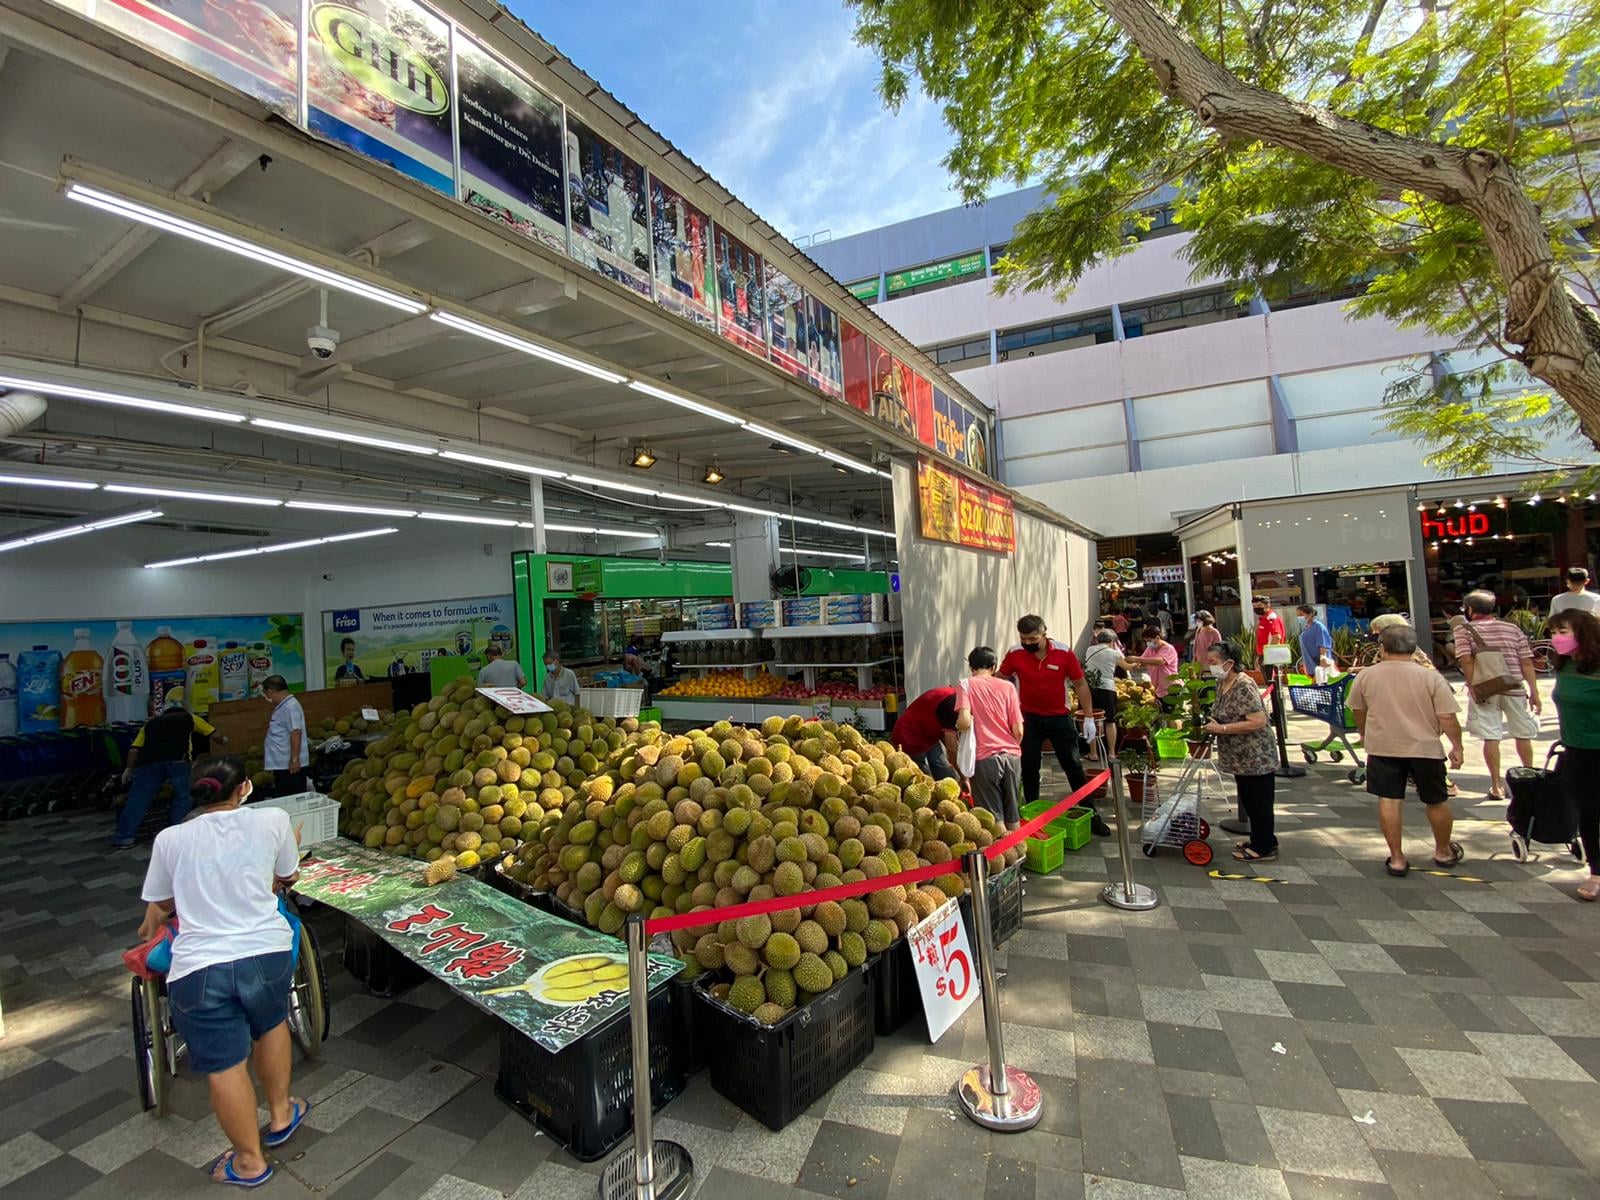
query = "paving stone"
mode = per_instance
[
  {"x": 1126, "y": 1132},
  {"x": 1319, "y": 1144},
  {"x": 1500, "y": 1132}
]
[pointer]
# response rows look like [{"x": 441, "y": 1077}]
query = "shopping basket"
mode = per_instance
[{"x": 1329, "y": 702}]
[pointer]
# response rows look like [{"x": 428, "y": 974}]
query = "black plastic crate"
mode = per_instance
[
  {"x": 583, "y": 1096},
  {"x": 379, "y": 967},
  {"x": 776, "y": 1072},
  {"x": 687, "y": 1025},
  {"x": 894, "y": 984},
  {"x": 1005, "y": 905}
]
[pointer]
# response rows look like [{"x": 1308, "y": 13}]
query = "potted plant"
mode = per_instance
[
  {"x": 1347, "y": 645},
  {"x": 1244, "y": 645},
  {"x": 1136, "y": 720},
  {"x": 1138, "y": 765},
  {"x": 1531, "y": 623},
  {"x": 1192, "y": 693}
]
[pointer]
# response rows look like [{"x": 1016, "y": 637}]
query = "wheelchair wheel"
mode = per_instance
[
  {"x": 150, "y": 1051},
  {"x": 308, "y": 997}
]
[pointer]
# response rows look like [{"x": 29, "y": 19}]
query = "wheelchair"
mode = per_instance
[{"x": 158, "y": 1048}]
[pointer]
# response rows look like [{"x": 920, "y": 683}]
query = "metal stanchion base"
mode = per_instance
[
  {"x": 674, "y": 1173},
  {"x": 1290, "y": 771},
  {"x": 1019, "y": 1108},
  {"x": 1138, "y": 898},
  {"x": 1238, "y": 823}
]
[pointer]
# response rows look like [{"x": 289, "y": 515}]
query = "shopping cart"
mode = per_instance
[
  {"x": 1176, "y": 821},
  {"x": 1328, "y": 702}
]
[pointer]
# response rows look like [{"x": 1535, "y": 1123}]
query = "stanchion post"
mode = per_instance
[
  {"x": 1280, "y": 723},
  {"x": 1129, "y": 895},
  {"x": 647, "y": 1170},
  {"x": 994, "y": 1095}
]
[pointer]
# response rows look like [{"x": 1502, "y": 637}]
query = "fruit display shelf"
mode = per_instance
[{"x": 703, "y": 709}]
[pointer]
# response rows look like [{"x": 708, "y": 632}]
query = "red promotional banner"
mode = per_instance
[{"x": 963, "y": 513}]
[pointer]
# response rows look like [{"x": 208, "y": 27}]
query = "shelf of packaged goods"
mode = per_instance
[
  {"x": 838, "y": 666},
  {"x": 706, "y": 635},
  {"x": 858, "y": 629},
  {"x": 809, "y": 670},
  {"x": 683, "y": 666}
]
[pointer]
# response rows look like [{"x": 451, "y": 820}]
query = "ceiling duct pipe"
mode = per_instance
[{"x": 18, "y": 410}]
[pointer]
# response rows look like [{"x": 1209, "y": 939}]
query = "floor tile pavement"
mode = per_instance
[{"x": 1340, "y": 1034}]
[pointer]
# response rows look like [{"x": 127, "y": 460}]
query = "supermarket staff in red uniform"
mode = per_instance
[
  {"x": 1043, "y": 670},
  {"x": 927, "y": 732},
  {"x": 1269, "y": 626}
]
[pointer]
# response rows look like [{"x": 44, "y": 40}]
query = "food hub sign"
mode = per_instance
[
  {"x": 963, "y": 513},
  {"x": 1455, "y": 525}
]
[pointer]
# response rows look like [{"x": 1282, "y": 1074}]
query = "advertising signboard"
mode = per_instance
[
  {"x": 788, "y": 324},
  {"x": 361, "y": 644},
  {"x": 378, "y": 74},
  {"x": 253, "y": 45},
  {"x": 955, "y": 510},
  {"x": 823, "y": 353},
  {"x": 681, "y": 240},
  {"x": 953, "y": 268},
  {"x": 606, "y": 194},
  {"x": 510, "y": 147},
  {"x": 741, "y": 303}
]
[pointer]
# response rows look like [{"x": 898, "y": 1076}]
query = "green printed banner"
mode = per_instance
[
  {"x": 955, "y": 268},
  {"x": 551, "y": 979}
]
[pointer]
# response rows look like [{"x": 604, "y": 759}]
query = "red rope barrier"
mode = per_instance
[{"x": 1050, "y": 814}]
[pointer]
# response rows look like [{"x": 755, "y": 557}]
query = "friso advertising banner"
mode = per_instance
[
  {"x": 67, "y": 674},
  {"x": 681, "y": 235},
  {"x": 361, "y": 644},
  {"x": 252, "y": 45},
  {"x": 963, "y": 513},
  {"x": 379, "y": 81},
  {"x": 605, "y": 188},
  {"x": 510, "y": 148}
]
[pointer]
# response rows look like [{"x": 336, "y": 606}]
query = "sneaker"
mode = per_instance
[
  {"x": 120, "y": 846},
  {"x": 1098, "y": 826}
]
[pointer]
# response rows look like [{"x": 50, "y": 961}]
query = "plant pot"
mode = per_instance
[{"x": 1136, "y": 786}]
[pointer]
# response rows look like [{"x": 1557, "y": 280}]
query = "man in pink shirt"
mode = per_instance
[
  {"x": 991, "y": 708},
  {"x": 1160, "y": 659}
]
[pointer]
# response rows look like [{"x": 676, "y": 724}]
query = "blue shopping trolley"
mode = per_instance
[{"x": 1328, "y": 702}]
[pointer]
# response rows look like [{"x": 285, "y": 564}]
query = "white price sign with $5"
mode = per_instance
[{"x": 946, "y": 974}]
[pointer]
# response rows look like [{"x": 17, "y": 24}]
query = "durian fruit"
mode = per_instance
[{"x": 439, "y": 870}]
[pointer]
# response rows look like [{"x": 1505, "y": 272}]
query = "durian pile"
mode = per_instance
[
  {"x": 352, "y": 723},
  {"x": 463, "y": 778},
  {"x": 716, "y": 817}
]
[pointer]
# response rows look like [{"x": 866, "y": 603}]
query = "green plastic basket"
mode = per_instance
[
  {"x": 1074, "y": 826},
  {"x": 1043, "y": 852},
  {"x": 1171, "y": 745},
  {"x": 650, "y": 714}
]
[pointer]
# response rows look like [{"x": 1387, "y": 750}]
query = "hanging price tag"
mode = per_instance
[
  {"x": 370, "y": 714},
  {"x": 515, "y": 700},
  {"x": 946, "y": 974}
]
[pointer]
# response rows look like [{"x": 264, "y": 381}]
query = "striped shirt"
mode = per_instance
[{"x": 1497, "y": 635}]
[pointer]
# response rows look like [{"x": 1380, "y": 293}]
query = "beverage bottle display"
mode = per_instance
[
  {"x": 203, "y": 676},
  {"x": 8, "y": 696},
  {"x": 165, "y": 667},
  {"x": 82, "y": 672},
  {"x": 260, "y": 666},
  {"x": 127, "y": 677},
  {"x": 39, "y": 690},
  {"x": 233, "y": 667}
]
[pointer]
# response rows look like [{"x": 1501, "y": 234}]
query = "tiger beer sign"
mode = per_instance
[{"x": 963, "y": 513}]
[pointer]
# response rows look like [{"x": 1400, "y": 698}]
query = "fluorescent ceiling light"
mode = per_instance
[
  {"x": 76, "y": 485},
  {"x": 464, "y": 519},
  {"x": 51, "y": 535},
  {"x": 855, "y": 464},
  {"x": 681, "y": 499},
  {"x": 135, "y": 211},
  {"x": 600, "y": 530},
  {"x": 121, "y": 399},
  {"x": 838, "y": 525},
  {"x": 818, "y": 553},
  {"x": 606, "y": 483},
  {"x": 719, "y": 545},
  {"x": 768, "y": 432},
  {"x": 650, "y": 389},
  {"x": 760, "y": 512},
  {"x": 366, "y": 510},
  {"x": 501, "y": 464},
  {"x": 178, "y": 494},
  {"x": 334, "y": 435},
  {"x": 275, "y": 548},
  {"x": 502, "y": 338}
]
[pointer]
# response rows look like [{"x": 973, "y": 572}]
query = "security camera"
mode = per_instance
[{"x": 322, "y": 340}]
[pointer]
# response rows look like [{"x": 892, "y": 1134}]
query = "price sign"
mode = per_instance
[
  {"x": 515, "y": 700},
  {"x": 370, "y": 714},
  {"x": 946, "y": 975},
  {"x": 822, "y": 710}
]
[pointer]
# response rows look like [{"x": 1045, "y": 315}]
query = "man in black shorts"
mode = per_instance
[{"x": 1401, "y": 711}]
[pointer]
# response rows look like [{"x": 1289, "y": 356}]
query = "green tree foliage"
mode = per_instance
[{"x": 1442, "y": 154}]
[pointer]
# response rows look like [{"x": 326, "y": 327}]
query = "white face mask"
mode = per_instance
[{"x": 1218, "y": 672}]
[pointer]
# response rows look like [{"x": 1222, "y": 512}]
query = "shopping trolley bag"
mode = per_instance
[{"x": 1540, "y": 810}]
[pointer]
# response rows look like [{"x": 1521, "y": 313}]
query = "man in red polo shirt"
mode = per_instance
[
  {"x": 1043, "y": 671},
  {"x": 1269, "y": 625},
  {"x": 927, "y": 732}
]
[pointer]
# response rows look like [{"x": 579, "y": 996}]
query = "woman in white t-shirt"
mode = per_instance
[{"x": 232, "y": 959}]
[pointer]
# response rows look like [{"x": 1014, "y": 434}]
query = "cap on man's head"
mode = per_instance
[{"x": 1386, "y": 621}]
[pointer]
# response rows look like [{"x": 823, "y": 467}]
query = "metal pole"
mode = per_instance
[
  {"x": 633, "y": 1173},
  {"x": 1127, "y": 894},
  {"x": 995, "y": 1096},
  {"x": 1280, "y": 721}
]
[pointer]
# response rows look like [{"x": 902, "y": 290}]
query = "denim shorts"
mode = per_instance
[{"x": 221, "y": 1009}]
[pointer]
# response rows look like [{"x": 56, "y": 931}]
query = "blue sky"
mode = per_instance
[{"x": 774, "y": 99}]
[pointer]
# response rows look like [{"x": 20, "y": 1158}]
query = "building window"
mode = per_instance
[
  {"x": 1162, "y": 222},
  {"x": 1181, "y": 312},
  {"x": 959, "y": 356},
  {"x": 1305, "y": 295},
  {"x": 1089, "y": 329}
]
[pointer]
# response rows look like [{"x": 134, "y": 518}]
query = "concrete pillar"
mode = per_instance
[
  {"x": 534, "y": 540},
  {"x": 754, "y": 555}
]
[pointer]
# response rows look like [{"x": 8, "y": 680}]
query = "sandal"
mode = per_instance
[
  {"x": 1397, "y": 872},
  {"x": 1589, "y": 889},
  {"x": 1249, "y": 855},
  {"x": 230, "y": 1177},
  {"x": 1456, "y": 855},
  {"x": 273, "y": 1138}
]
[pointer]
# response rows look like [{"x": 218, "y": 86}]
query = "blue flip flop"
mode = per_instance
[
  {"x": 273, "y": 1138},
  {"x": 230, "y": 1177}
]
